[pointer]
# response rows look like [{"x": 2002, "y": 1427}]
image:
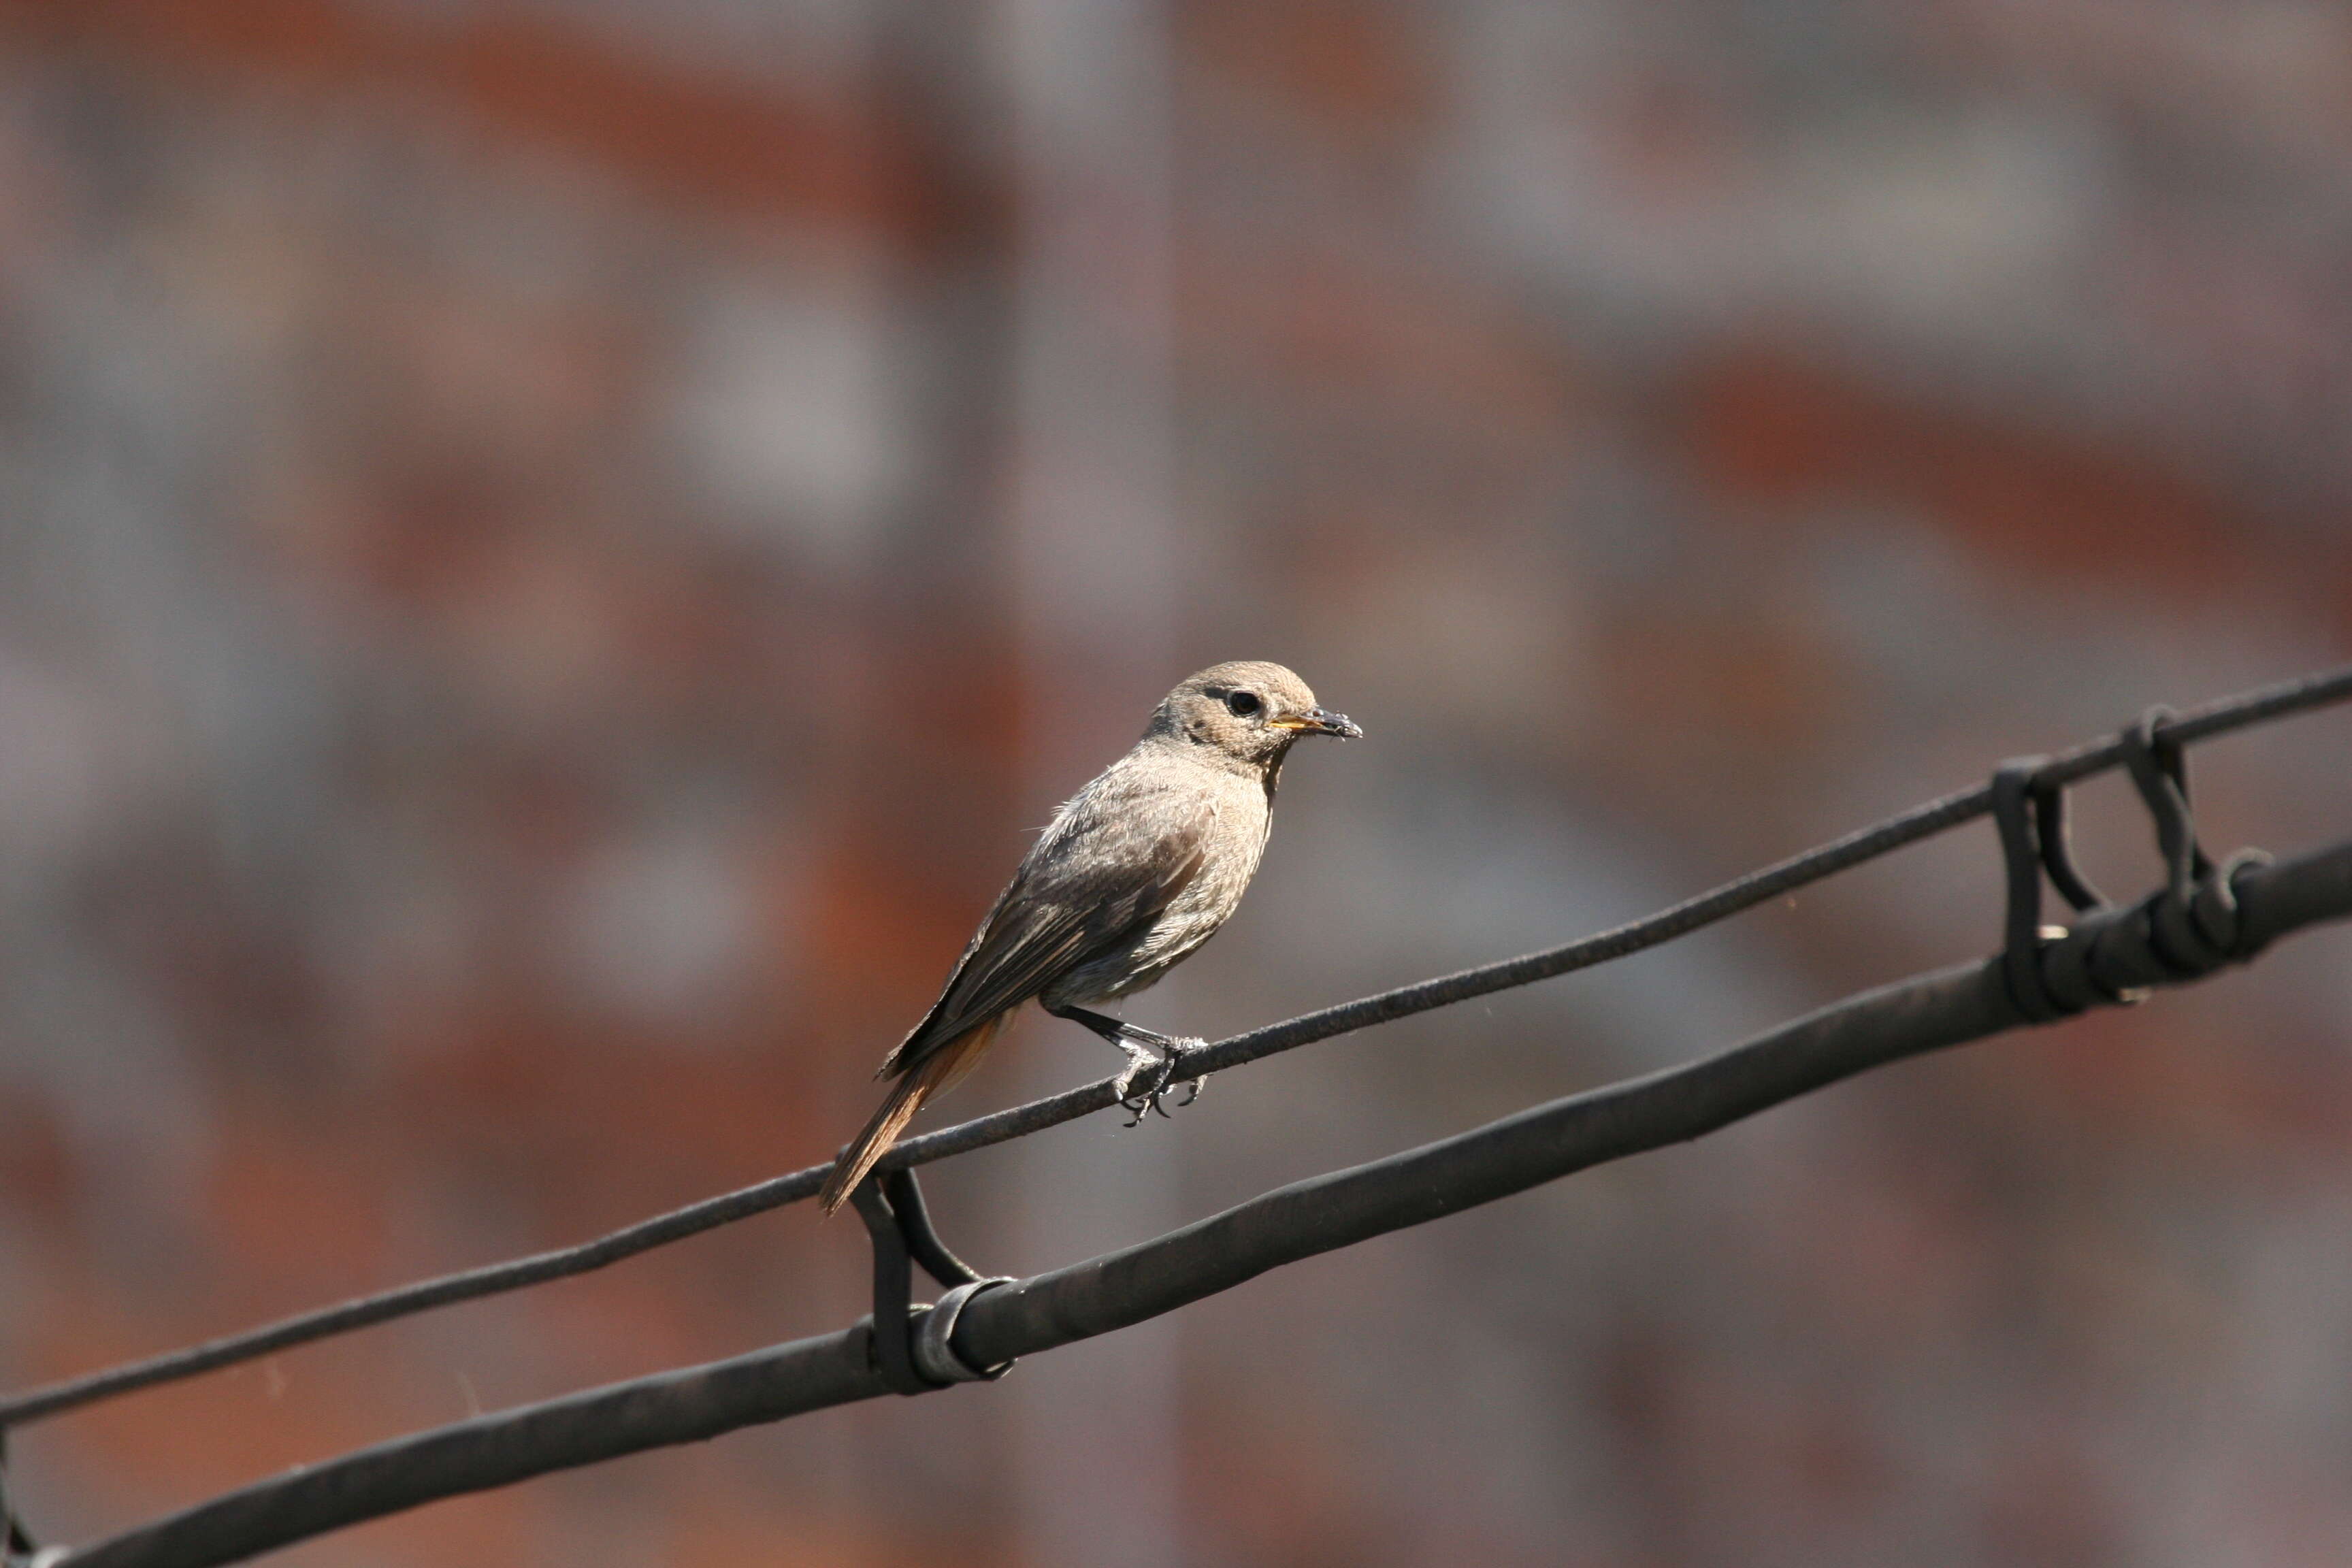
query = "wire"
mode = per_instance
[
  {"x": 1924, "y": 1013},
  {"x": 1758, "y": 887}
]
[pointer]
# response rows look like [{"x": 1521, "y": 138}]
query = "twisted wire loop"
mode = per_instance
[
  {"x": 2193, "y": 922},
  {"x": 912, "y": 1347},
  {"x": 2023, "y": 847},
  {"x": 2185, "y": 929},
  {"x": 2057, "y": 850}
]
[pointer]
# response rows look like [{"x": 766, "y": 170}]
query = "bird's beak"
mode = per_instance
[{"x": 1319, "y": 722}]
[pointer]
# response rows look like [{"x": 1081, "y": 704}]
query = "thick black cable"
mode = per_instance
[
  {"x": 1758, "y": 887},
  {"x": 1910, "y": 1017}
]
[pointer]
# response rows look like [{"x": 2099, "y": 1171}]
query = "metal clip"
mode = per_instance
[
  {"x": 913, "y": 1346},
  {"x": 2187, "y": 928}
]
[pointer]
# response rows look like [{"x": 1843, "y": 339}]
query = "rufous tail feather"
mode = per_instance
[{"x": 934, "y": 1074}]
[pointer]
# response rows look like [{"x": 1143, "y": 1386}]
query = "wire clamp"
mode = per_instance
[
  {"x": 2032, "y": 817},
  {"x": 913, "y": 1346},
  {"x": 935, "y": 1352},
  {"x": 2186, "y": 929}
]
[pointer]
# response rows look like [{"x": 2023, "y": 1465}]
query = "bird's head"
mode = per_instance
[{"x": 1250, "y": 711}]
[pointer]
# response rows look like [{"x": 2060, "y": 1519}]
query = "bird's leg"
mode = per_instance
[{"x": 1147, "y": 1050}]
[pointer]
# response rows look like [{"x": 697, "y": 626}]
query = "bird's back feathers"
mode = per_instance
[{"x": 1113, "y": 862}]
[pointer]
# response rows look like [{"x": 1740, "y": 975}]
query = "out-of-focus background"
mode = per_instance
[{"x": 552, "y": 551}]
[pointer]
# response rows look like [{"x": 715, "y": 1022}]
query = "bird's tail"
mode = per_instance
[{"x": 935, "y": 1074}]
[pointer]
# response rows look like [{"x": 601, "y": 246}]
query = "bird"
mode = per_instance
[{"x": 1132, "y": 875}]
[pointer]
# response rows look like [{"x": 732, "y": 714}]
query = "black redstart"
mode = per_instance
[{"x": 1140, "y": 867}]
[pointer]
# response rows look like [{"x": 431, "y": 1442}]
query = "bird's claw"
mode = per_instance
[
  {"x": 1151, "y": 1101},
  {"x": 1138, "y": 1059}
]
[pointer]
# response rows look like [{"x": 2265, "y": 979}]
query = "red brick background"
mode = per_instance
[{"x": 551, "y": 549}]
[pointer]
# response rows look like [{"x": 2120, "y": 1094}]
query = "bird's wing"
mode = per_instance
[{"x": 1101, "y": 875}]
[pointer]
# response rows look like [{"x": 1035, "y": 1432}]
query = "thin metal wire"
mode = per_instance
[
  {"x": 1098, "y": 1295},
  {"x": 1679, "y": 920}
]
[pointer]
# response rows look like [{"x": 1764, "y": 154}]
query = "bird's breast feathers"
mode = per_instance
[{"x": 1204, "y": 840}]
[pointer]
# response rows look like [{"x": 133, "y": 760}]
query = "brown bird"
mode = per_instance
[{"x": 1140, "y": 868}]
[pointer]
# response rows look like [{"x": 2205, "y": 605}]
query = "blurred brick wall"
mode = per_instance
[{"x": 511, "y": 694}]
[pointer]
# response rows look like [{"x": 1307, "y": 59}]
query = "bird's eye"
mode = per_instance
[{"x": 1245, "y": 704}]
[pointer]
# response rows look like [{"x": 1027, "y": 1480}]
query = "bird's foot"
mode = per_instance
[
  {"x": 1160, "y": 1068},
  {"x": 1140, "y": 1059}
]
